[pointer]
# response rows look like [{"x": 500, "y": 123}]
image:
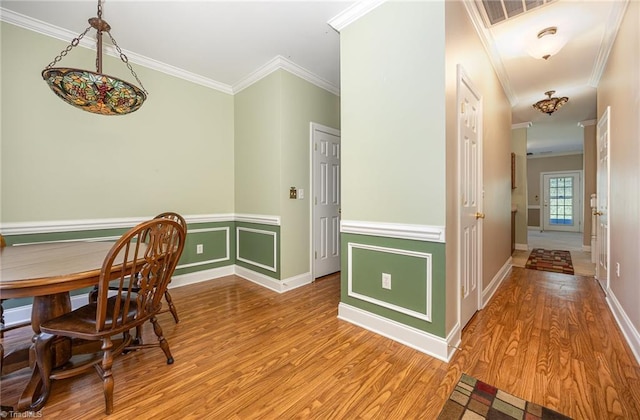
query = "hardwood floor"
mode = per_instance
[{"x": 244, "y": 352}]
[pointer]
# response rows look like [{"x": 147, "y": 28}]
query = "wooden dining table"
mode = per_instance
[{"x": 48, "y": 272}]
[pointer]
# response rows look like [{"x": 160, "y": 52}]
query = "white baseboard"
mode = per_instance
[
  {"x": 279, "y": 286},
  {"x": 22, "y": 314},
  {"x": 430, "y": 344},
  {"x": 625, "y": 324},
  {"x": 522, "y": 247},
  {"x": 497, "y": 280}
]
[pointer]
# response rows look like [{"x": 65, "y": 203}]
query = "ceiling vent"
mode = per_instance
[{"x": 496, "y": 11}]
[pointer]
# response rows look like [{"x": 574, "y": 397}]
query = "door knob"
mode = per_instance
[
  {"x": 479, "y": 215},
  {"x": 598, "y": 213}
]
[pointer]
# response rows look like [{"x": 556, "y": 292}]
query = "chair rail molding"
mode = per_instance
[
  {"x": 56, "y": 226},
  {"x": 394, "y": 230}
]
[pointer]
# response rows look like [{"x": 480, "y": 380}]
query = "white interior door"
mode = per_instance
[
  {"x": 602, "y": 185},
  {"x": 470, "y": 175},
  {"x": 326, "y": 200},
  {"x": 562, "y": 206}
]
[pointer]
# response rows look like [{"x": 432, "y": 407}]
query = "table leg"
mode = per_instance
[{"x": 46, "y": 352}]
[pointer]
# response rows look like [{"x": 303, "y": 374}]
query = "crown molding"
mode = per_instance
[
  {"x": 53, "y": 31},
  {"x": 276, "y": 63},
  {"x": 587, "y": 123},
  {"x": 611, "y": 30},
  {"x": 521, "y": 125},
  {"x": 281, "y": 63},
  {"x": 487, "y": 42},
  {"x": 353, "y": 13}
]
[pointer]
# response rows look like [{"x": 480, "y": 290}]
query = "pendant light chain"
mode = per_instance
[
  {"x": 125, "y": 60},
  {"x": 74, "y": 43}
]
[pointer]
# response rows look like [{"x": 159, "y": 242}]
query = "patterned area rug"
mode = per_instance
[
  {"x": 474, "y": 399},
  {"x": 554, "y": 260}
]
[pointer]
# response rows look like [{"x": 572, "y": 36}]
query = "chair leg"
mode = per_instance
[
  {"x": 93, "y": 295},
  {"x": 172, "y": 307},
  {"x": 138, "y": 340},
  {"x": 107, "y": 375},
  {"x": 1, "y": 319},
  {"x": 164, "y": 345}
]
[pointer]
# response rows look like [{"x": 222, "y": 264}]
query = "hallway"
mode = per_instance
[{"x": 567, "y": 241}]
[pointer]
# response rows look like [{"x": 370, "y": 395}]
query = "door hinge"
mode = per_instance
[
  {"x": 315, "y": 146},
  {"x": 316, "y": 255}
]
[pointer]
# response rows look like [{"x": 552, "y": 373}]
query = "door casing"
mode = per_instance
[{"x": 315, "y": 129}]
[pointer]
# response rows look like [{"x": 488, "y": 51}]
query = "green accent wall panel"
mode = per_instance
[
  {"x": 218, "y": 246},
  {"x": 258, "y": 248},
  {"x": 409, "y": 274},
  {"x": 417, "y": 270},
  {"x": 217, "y": 238}
]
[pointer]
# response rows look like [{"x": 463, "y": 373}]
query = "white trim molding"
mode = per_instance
[
  {"x": 394, "y": 230},
  {"x": 527, "y": 124},
  {"x": 490, "y": 290},
  {"x": 280, "y": 63},
  {"x": 426, "y": 316},
  {"x": 587, "y": 123},
  {"x": 274, "y": 236},
  {"x": 53, "y": 31},
  {"x": 56, "y": 226},
  {"x": 489, "y": 45},
  {"x": 279, "y": 286},
  {"x": 276, "y": 63},
  {"x": 614, "y": 20},
  {"x": 258, "y": 218},
  {"x": 353, "y": 13},
  {"x": 423, "y": 341},
  {"x": 22, "y": 314},
  {"x": 625, "y": 324}
]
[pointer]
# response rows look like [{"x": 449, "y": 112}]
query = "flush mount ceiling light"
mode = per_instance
[
  {"x": 550, "y": 105},
  {"x": 95, "y": 92},
  {"x": 546, "y": 43}
]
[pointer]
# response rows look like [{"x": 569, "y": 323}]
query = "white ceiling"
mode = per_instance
[{"x": 226, "y": 42}]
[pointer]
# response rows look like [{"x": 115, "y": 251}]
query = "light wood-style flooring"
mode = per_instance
[
  {"x": 244, "y": 352},
  {"x": 566, "y": 241}
]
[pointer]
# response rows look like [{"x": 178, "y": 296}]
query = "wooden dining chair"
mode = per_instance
[
  {"x": 171, "y": 306},
  {"x": 180, "y": 220},
  {"x": 148, "y": 252}
]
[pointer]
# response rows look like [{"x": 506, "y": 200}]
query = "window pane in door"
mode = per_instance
[{"x": 561, "y": 201}]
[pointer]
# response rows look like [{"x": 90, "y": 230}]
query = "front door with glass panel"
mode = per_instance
[{"x": 561, "y": 200}]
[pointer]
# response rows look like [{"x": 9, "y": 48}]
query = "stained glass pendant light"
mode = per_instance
[
  {"x": 550, "y": 105},
  {"x": 95, "y": 92}
]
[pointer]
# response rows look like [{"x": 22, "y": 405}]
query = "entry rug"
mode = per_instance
[
  {"x": 474, "y": 399},
  {"x": 546, "y": 260}
]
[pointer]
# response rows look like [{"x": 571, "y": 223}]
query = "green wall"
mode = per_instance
[
  {"x": 257, "y": 147},
  {"x": 61, "y": 163},
  {"x": 417, "y": 270},
  {"x": 272, "y": 135},
  {"x": 393, "y": 161},
  {"x": 393, "y": 119},
  {"x": 302, "y": 103},
  {"x": 189, "y": 149}
]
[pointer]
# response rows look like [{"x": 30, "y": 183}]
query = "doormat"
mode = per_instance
[
  {"x": 554, "y": 260},
  {"x": 474, "y": 399}
]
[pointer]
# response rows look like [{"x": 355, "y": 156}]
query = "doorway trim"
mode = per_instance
[
  {"x": 476, "y": 261},
  {"x": 313, "y": 128}
]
